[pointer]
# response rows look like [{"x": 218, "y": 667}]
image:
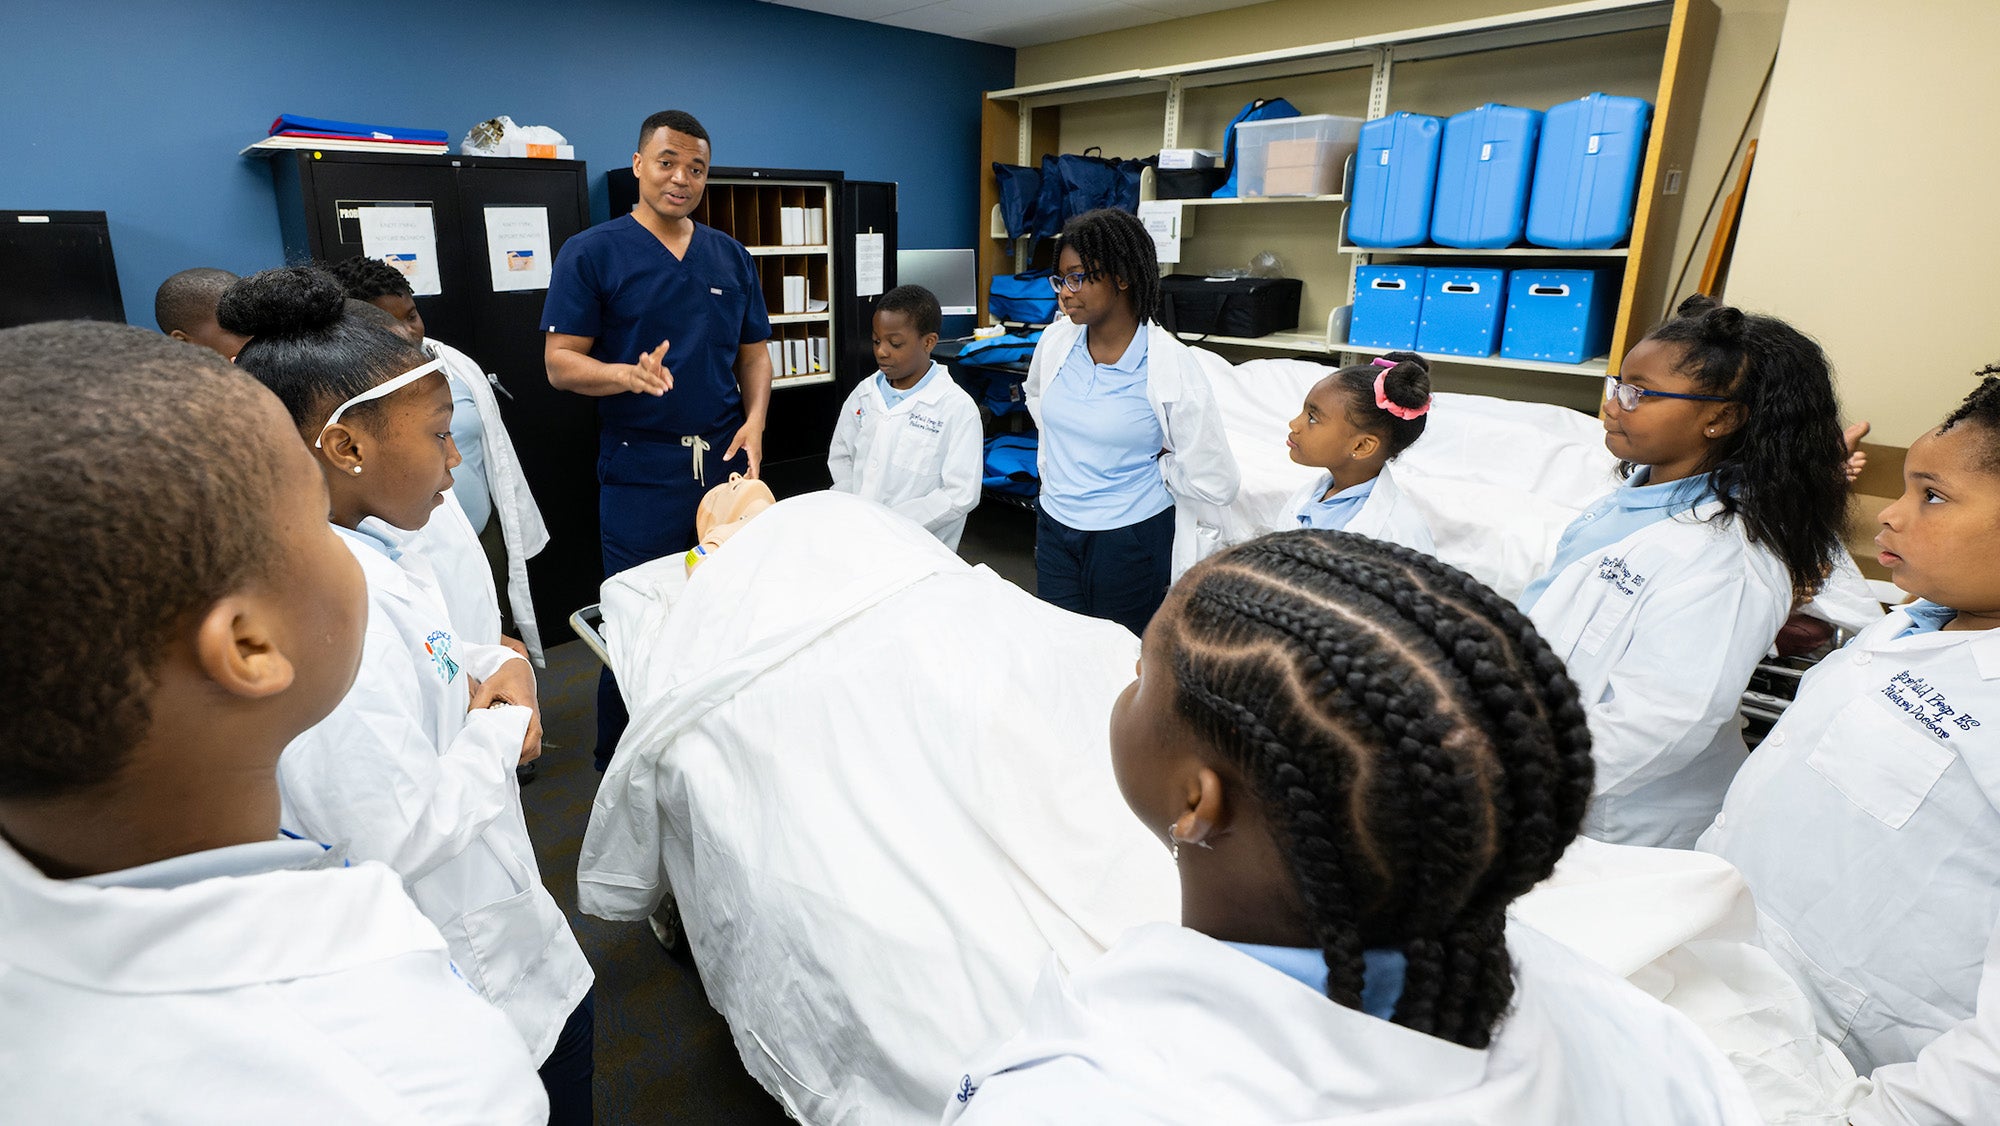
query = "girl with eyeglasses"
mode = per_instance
[
  {"x": 1132, "y": 456},
  {"x": 1665, "y": 593}
]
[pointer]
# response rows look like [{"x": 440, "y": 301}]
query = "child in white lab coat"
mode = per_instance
[
  {"x": 174, "y": 608},
  {"x": 1358, "y": 757},
  {"x": 1868, "y": 823},
  {"x": 909, "y": 438},
  {"x": 1353, "y": 424},
  {"x": 1665, "y": 593},
  {"x": 416, "y": 765}
]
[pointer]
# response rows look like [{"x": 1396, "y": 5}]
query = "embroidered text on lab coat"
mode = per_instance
[{"x": 1925, "y": 704}]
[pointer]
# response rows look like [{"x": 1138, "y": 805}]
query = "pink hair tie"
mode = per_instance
[{"x": 1382, "y": 396}]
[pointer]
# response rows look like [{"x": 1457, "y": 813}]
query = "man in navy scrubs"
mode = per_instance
[{"x": 662, "y": 320}]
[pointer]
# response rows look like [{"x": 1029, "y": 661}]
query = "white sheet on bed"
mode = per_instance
[
  {"x": 1498, "y": 480},
  {"x": 878, "y": 781}
]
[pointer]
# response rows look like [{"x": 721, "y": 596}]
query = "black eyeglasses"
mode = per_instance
[{"x": 1627, "y": 396}]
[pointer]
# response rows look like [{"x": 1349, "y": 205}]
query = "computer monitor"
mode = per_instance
[
  {"x": 951, "y": 275},
  {"x": 57, "y": 266}
]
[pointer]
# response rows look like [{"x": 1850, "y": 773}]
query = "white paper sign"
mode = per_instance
[
  {"x": 1162, "y": 218},
  {"x": 868, "y": 264},
  {"x": 517, "y": 247},
  {"x": 405, "y": 238}
]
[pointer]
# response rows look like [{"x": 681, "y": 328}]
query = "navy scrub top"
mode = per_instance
[{"x": 617, "y": 284}]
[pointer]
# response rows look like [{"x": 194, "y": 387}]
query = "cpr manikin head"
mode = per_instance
[
  {"x": 722, "y": 513},
  {"x": 385, "y": 287},
  {"x": 184, "y": 308},
  {"x": 1940, "y": 540},
  {"x": 1350, "y": 746},
  {"x": 174, "y": 607},
  {"x": 374, "y": 410}
]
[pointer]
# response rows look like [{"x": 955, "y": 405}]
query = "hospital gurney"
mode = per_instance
[{"x": 877, "y": 779}]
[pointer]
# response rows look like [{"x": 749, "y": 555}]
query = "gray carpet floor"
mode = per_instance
[{"x": 663, "y": 1055}]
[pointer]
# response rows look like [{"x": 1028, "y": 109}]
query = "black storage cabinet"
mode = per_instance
[{"x": 555, "y": 432}]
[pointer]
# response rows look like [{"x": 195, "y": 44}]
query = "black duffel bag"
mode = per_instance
[{"x": 1229, "y": 306}]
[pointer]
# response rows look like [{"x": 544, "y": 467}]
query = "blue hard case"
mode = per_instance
[
  {"x": 1395, "y": 173},
  {"x": 1587, "y": 172},
  {"x": 1462, "y": 310},
  {"x": 1485, "y": 159},
  {"x": 1563, "y": 316},
  {"x": 1388, "y": 303}
]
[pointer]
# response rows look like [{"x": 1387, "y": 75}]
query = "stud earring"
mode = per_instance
[
  {"x": 1173, "y": 843},
  {"x": 1711, "y": 431},
  {"x": 357, "y": 469}
]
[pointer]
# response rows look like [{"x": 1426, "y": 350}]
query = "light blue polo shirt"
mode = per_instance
[
  {"x": 1628, "y": 508},
  {"x": 1382, "y": 972},
  {"x": 891, "y": 396},
  {"x": 1926, "y": 617},
  {"x": 1336, "y": 512},
  {"x": 1101, "y": 441}
]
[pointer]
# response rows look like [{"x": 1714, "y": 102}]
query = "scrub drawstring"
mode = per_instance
[{"x": 700, "y": 447}]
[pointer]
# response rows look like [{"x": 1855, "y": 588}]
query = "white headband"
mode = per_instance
[{"x": 388, "y": 387}]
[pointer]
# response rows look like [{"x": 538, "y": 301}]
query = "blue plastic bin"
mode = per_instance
[
  {"x": 1485, "y": 159},
  {"x": 1388, "y": 303},
  {"x": 1587, "y": 172},
  {"x": 1395, "y": 172},
  {"x": 1563, "y": 316},
  {"x": 1462, "y": 311}
]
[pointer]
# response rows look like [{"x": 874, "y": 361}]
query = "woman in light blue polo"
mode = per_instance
[{"x": 1132, "y": 456}]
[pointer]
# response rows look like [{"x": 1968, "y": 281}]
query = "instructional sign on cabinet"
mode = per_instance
[
  {"x": 406, "y": 238},
  {"x": 517, "y": 247}
]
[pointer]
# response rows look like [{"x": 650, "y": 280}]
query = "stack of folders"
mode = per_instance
[
  {"x": 802, "y": 226},
  {"x": 793, "y": 358},
  {"x": 291, "y": 131},
  {"x": 795, "y": 294}
]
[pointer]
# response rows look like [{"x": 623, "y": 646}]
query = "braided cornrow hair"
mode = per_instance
[
  {"x": 1420, "y": 751},
  {"x": 1115, "y": 243},
  {"x": 1981, "y": 408}
]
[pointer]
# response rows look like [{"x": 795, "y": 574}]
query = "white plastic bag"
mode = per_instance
[{"x": 487, "y": 137}]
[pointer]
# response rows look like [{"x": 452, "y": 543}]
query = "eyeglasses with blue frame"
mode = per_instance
[
  {"x": 1627, "y": 396},
  {"x": 1073, "y": 282}
]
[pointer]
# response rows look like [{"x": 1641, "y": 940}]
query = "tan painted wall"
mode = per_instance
[
  {"x": 1873, "y": 220},
  {"x": 1532, "y": 76}
]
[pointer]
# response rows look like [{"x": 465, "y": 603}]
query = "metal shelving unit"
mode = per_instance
[{"x": 1013, "y": 130}]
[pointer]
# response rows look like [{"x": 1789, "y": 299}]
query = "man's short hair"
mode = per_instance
[
  {"x": 920, "y": 305},
  {"x": 132, "y": 502},
  {"x": 679, "y": 121},
  {"x": 187, "y": 300},
  {"x": 366, "y": 278}
]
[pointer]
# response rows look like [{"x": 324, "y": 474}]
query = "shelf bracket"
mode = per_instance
[
  {"x": 1172, "y": 137},
  {"x": 1378, "y": 82}
]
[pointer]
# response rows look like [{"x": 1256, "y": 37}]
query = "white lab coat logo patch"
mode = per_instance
[{"x": 438, "y": 645}]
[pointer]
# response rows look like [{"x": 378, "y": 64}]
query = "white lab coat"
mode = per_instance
[
  {"x": 308, "y": 994},
  {"x": 1868, "y": 827},
  {"x": 1661, "y": 631},
  {"x": 1955, "y": 1080},
  {"x": 1198, "y": 468},
  {"x": 1386, "y": 514},
  {"x": 1171, "y": 1026},
  {"x": 923, "y": 457},
  {"x": 400, "y": 773},
  {"x": 521, "y": 526},
  {"x": 457, "y": 560}
]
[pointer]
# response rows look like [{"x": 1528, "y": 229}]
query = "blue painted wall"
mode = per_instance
[{"x": 138, "y": 109}]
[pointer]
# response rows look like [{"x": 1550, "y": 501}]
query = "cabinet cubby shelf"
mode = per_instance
[{"x": 768, "y": 251}]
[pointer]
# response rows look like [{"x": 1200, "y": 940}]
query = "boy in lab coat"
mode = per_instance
[
  {"x": 1867, "y": 824},
  {"x": 174, "y": 609},
  {"x": 909, "y": 438}
]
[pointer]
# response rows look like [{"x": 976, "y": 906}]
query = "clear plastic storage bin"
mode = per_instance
[{"x": 1294, "y": 155}]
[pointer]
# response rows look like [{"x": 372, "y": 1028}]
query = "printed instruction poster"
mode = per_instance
[
  {"x": 1162, "y": 219},
  {"x": 517, "y": 247},
  {"x": 406, "y": 238},
  {"x": 868, "y": 250}
]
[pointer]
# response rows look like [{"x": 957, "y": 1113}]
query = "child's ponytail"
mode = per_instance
[
  {"x": 1389, "y": 398},
  {"x": 1782, "y": 470}
]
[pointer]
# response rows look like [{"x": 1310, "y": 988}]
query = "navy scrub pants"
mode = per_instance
[
  {"x": 567, "y": 1073},
  {"x": 648, "y": 490},
  {"x": 1119, "y": 574}
]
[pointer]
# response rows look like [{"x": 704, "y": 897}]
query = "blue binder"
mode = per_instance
[
  {"x": 1388, "y": 303},
  {"x": 1395, "y": 171},
  {"x": 1587, "y": 172},
  {"x": 1462, "y": 311},
  {"x": 1559, "y": 315},
  {"x": 1484, "y": 163}
]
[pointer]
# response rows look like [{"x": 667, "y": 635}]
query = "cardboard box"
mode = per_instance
[
  {"x": 1308, "y": 180},
  {"x": 1189, "y": 158},
  {"x": 546, "y": 152},
  {"x": 1299, "y": 152}
]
